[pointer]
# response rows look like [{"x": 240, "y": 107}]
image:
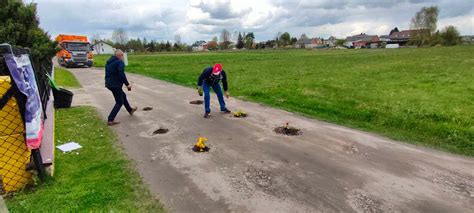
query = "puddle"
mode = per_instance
[
  {"x": 197, "y": 102},
  {"x": 287, "y": 130},
  {"x": 160, "y": 131},
  {"x": 147, "y": 108}
]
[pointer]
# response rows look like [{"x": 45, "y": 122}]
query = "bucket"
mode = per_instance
[{"x": 62, "y": 98}]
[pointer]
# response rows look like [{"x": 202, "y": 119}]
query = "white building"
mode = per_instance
[{"x": 101, "y": 47}]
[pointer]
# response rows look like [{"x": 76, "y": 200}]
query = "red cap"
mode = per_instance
[{"x": 216, "y": 70}]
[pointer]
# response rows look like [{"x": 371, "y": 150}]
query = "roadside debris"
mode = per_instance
[
  {"x": 200, "y": 146},
  {"x": 147, "y": 108},
  {"x": 71, "y": 146},
  {"x": 239, "y": 114},
  {"x": 160, "y": 131},
  {"x": 197, "y": 102},
  {"x": 287, "y": 130}
]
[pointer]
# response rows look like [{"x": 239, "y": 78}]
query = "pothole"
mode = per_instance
[
  {"x": 287, "y": 130},
  {"x": 160, "y": 131},
  {"x": 197, "y": 149},
  {"x": 196, "y": 102},
  {"x": 147, "y": 108}
]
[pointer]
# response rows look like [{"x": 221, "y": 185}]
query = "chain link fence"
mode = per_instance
[{"x": 14, "y": 156}]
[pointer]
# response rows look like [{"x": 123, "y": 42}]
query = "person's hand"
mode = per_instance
[
  {"x": 199, "y": 88},
  {"x": 226, "y": 94},
  {"x": 129, "y": 87}
]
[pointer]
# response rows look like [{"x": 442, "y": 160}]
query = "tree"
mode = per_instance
[
  {"x": 95, "y": 38},
  {"x": 240, "y": 42},
  {"x": 293, "y": 40},
  {"x": 214, "y": 38},
  {"x": 450, "y": 36},
  {"x": 212, "y": 45},
  {"x": 394, "y": 30},
  {"x": 285, "y": 38},
  {"x": 225, "y": 39},
  {"x": 248, "y": 40},
  {"x": 168, "y": 46},
  {"x": 340, "y": 42},
  {"x": 19, "y": 26},
  {"x": 177, "y": 39},
  {"x": 120, "y": 36},
  {"x": 424, "y": 20}
]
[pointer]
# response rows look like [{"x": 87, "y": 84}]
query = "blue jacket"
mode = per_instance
[
  {"x": 115, "y": 73},
  {"x": 212, "y": 79}
]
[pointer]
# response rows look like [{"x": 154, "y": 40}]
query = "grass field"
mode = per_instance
[
  {"x": 96, "y": 178},
  {"x": 419, "y": 95},
  {"x": 66, "y": 79}
]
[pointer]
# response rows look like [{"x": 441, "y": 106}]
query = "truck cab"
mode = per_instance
[{"x": 75, "y": 51}]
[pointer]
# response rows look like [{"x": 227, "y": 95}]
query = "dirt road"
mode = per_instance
[{"x": 250, "y": 168}]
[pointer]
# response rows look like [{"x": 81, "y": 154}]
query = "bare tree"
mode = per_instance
[
  {"x": 426, "y": 18},
  {"x": 95, "y": 38},
  {"x": 120, "y": 36},
  {"x": 225, "y": 39},
  {"x": 424, "y": 23},
  {"x": 177, "y": 39}
]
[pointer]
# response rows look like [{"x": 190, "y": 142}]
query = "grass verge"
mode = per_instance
[
  {"x": 66, "y": 79},
  {"x": 97, "y": 177},
  {"x": 420, "y": 95}
]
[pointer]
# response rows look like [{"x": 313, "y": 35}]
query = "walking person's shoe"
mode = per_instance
[
  {"x": 226, "y": 111},
  {"x": 111, "y": 123},
  {"x": 134, "y": 109},
  {"x": 207, "y": 115}
]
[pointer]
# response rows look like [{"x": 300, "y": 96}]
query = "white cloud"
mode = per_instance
[{"x": 203, "y": 19}]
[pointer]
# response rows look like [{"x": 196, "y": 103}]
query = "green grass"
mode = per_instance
[
  {"x": 66, "y": 79},
  {"x": 419, "y": 95},
  {"x": 97, "y": 178}
]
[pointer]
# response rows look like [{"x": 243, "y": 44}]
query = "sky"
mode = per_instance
[{"x": 196, "y": 20}]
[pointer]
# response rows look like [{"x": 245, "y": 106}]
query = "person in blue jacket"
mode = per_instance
[
  {"x": 115, "y": 78},
  {"x": 211, "y": 77}
]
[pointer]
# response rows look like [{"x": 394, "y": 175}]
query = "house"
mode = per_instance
[
  {"x": 315, "y": 43},
  {"x": 384, "y": 38},
  {"x": 467, "y": 39},
  {"x": 199, "y": 46},
  {"x": 102, "y": 47},
  {"x": 404, "y": 36},
  {"x": 331, "y": 41},
  {"x": 302, "y": 41},
  {"x": 362, "y": 41}
]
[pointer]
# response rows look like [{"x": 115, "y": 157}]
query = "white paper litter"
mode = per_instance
[{"x": 67, "y": 147}]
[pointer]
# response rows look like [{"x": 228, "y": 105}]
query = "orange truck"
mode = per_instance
[{"x": 75, "y": 51}]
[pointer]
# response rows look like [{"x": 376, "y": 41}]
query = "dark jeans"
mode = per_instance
[
  {"x": 207, "y": 96},
  {"x": 120, "y": 100}
]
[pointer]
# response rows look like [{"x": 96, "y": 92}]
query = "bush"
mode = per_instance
[
  {"x": 19, "y": 26},
  {"x": 450, "y": 36}
]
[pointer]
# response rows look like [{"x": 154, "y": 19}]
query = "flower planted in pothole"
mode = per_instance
[
  {"x": 200, "y": 146},
  {"x": 287, "y": 130},
  {"x": 239, "y": 114}
]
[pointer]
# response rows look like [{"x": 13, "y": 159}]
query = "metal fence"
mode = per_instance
[{"x": 16, "y": 161}]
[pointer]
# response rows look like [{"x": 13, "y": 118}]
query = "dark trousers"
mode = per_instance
[
  {"x": 120, "y": 100},
  {"x": 207, "y": 96}
]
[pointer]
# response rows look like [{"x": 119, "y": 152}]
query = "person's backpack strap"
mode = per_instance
[{"x": 6, "y": 97}]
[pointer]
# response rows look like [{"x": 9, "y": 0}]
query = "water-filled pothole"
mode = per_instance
[
  {"x": 160, "y": 131},
  {"x": 147, "y": 108},
  {"x": 196, "y": 102}
]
